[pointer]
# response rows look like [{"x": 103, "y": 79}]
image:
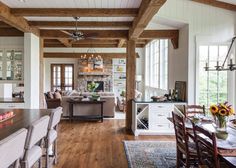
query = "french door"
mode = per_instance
[{"x": 62, "y": 77}]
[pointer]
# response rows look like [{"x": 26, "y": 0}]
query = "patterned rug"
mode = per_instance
[{"x": 150, "y": 154}]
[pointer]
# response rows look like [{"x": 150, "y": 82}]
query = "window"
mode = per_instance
[
  {"x": 62, "y": 76},
  {"x": 213, "y": 85},
  {"x": 157, "y": 64}
]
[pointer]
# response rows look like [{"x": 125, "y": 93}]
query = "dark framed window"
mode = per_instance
[{"x": 62, "y": 77}]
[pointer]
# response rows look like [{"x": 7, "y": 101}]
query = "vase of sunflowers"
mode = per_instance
[{"x": 221, "y": 112}]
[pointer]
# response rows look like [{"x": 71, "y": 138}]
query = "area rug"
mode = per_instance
[{"x": 150, "y": 154}]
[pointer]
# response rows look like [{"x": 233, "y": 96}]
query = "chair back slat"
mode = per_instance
[
  {"x": 55, "y": 117},
  {"x": 206, "y": 147},
  {"x": 37, "y": 131},
  {"x": 12, "y": 148}
]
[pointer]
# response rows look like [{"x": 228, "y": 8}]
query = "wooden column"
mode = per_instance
[
  {"x": 130, "y": 80},
  {"x": 41, "y": 75}
]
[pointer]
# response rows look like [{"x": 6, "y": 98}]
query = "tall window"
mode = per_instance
[
  {"x": 212, "y": 84},
  {"x": 157, "y": 64},
  {"x": 62, "y": 76}
]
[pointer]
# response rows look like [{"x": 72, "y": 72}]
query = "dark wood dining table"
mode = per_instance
[
  {"x": 22, "y": 119},
  {"x": 226, "y": 147}
]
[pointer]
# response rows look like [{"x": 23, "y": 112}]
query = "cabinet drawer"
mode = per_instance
[
  {"x": 12, "y": 105},
  {"x": 161, "y": 108},
  {"x": 160, "y": 126}
]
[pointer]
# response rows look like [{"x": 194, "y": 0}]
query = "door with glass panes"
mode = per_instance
[{"x": 62, "y": 77}]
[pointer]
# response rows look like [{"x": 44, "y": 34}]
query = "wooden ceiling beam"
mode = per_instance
[
  {"x": 79, "y": 12},
  {"x": 121, "y": 43},
  {"x": 10, "y": 32},
  {"x": 218, "y": 4},
  {"x": 19, "y": 23},
  {"x": 60, "y": 45},
  {"x": 4, "y": 25},
  {"x": 101, "y": 34},
  {"x": 65, "y": 42},
  {"x": 147, "y": 10},
  {"x": 51, "y": 24},
  {"x": 173, "y": 35},
  {"x": 78, "y": 55}
]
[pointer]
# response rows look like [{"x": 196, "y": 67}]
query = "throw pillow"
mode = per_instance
[
  {"x": 57, "y": 95},
  {"x": 50, "y": 95}
]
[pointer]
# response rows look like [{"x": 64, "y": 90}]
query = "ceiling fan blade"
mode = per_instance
[{"x": 66, "y": 32}]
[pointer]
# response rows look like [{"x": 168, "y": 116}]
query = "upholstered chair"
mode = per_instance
[
  {"x": 12, "y": 148},
  {"x": 33, "y": 147},
  {"x": 51, "y": 140}
]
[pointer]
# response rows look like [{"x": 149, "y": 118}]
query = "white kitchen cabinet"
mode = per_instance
[
  {"x": 151, "y": 118},
  {"x": 12, "y": 105}
]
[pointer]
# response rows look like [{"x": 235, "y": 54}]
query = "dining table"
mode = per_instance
[
  {"x": 22, "y": 118},
  {"x": 226, "y": 145}
]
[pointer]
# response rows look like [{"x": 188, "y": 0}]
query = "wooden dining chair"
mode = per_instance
[
  {"x": 33, "y": 146},
  {"x": 51, "y": 139},
  {"x": 191, "y": 110},
  {"x": 206, "y": 147},
  {"x": 12, "y": 148},
  {"x": 186, "y": 151}
]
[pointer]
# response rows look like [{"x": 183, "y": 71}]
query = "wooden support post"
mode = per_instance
[
  {"x": 130, "y": 80},
  {"x": 41, "y": 77}
]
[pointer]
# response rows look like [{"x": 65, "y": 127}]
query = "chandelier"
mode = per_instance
[
  {"x": 231, "y": 66},
  {"x": 91, "y": 57}
]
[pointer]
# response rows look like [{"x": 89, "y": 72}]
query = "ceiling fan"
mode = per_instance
[{"x": 77, "y": 35}]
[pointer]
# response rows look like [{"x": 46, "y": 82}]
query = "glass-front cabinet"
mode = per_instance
[{"x": 11, "y": 64}]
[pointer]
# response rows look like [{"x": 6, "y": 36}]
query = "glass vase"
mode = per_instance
[{"x": 221, "y": 123}]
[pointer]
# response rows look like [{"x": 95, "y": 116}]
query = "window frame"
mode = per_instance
[
  {"x": 229, "y": 81},
  {"x": 62, "y": 86},
  {"x": 155, "y": 48}
]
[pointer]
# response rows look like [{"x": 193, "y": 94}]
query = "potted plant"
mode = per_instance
[{"x": 91, "y": 88}]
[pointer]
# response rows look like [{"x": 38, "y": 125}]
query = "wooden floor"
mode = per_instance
[{"x": 95, "y": 144}]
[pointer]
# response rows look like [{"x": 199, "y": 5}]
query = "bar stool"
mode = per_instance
[
  {"x": 51, "y": 139},
  {"x": 37, "y": 132},
  {"x": 12, "y": 148}
]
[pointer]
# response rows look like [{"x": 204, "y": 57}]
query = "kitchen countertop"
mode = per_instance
[
  {"x": 11, "y": 100},
  {"x": 151, "y": 101}
]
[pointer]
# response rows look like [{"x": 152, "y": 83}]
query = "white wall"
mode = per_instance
[
  {"x": 202, "y": 20},
  {"x": 178, "y": 59},
  {"x": 49, "y": 61}
]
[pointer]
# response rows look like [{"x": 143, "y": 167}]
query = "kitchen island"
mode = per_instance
[
  {"x": 150, "y": 118},
  {"x": 12, "y": 103}
]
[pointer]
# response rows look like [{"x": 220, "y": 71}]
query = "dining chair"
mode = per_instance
[
  {"x": 51, "y": 139},
  {"x": 33, "y": 147},
  {"x": 191, "y": 110},
  {"x": 186, "y": 150},
  {"x": 206, "y": 147},
  {"x": 12, "y": 148}
]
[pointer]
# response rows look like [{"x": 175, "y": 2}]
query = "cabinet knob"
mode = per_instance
[{"x": 160, "y": 115}]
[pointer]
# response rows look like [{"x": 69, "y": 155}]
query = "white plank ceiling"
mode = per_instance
[
  {"x": 73, "y": 3},
  {"x": 229, "y": 1}
]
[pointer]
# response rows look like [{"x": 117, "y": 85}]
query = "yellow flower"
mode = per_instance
[
  {"x": 223, "y": 106},
  {"x": 231, "y": 111},
  {"x": 223, "y": 112},
  {"x": 214, "y": 109}
]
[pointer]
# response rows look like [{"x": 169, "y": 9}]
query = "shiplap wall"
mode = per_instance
[{"x": 203, "y": 20}]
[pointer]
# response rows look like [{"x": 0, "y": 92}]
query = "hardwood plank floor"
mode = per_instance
[{"x": 95, "y": 144}]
